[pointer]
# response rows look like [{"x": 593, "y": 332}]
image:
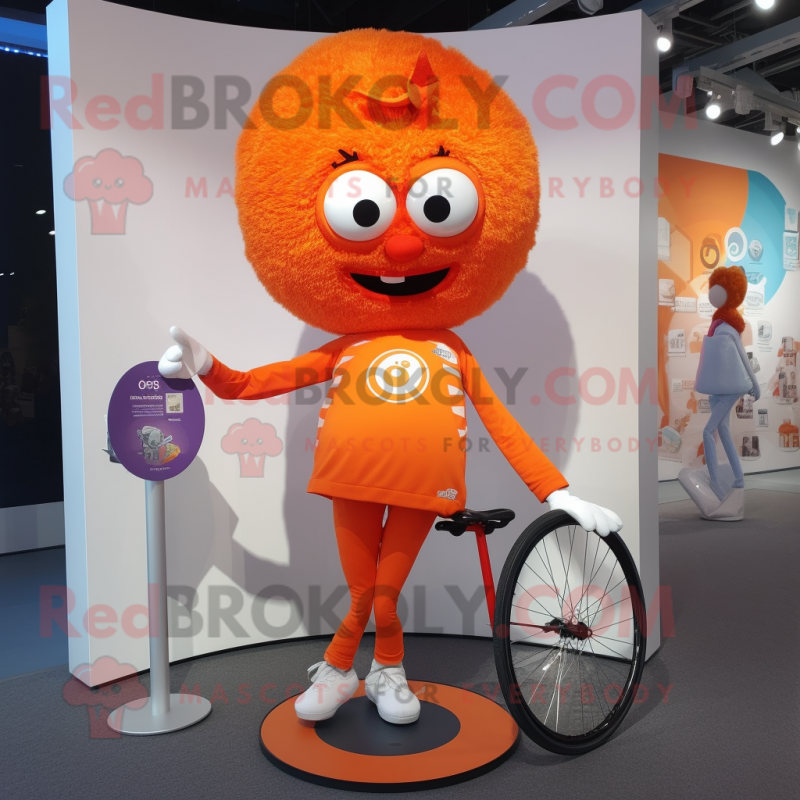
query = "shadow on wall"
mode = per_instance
[{"x": 526, "y": 330}]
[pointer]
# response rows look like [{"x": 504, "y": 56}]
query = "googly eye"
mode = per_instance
[
  {"x": 443, "y": 202},
  {"x": 359, "y": 206}
]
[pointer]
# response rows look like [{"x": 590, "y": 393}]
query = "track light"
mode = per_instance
[
  {"x": 713, "y": 109},
  {"x": 665, "y": 40},
  {"x": 766, "y": 5},
  {"x": 776, "y": 130}
]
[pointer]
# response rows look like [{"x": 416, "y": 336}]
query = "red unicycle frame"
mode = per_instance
[
  {"x": 481, "y": 523},
  {"x": 486, "y": 569}
]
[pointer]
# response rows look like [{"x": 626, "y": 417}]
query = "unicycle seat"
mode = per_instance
[{"x": 489, "y": 520}]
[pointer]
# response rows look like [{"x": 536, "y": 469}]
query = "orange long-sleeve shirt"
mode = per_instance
[{"x": 393, "y": 426}]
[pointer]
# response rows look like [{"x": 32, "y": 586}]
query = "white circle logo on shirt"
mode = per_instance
[{"x": 397, "y": 376}]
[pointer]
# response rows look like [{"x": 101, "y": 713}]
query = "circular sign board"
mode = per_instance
[{"x": 155, "y": 424}]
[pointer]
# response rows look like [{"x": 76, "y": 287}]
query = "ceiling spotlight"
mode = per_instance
[
  {"x": 713, "y": 110},
  {"x": 664, "y": 41},
  {"x": 766, "y": 5},
  {"x": 41, "y": 211},
  {"x": 777, "y": 131},
  {"x": 52, "y": 233}
]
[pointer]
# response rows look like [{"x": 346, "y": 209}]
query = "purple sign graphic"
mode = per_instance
[{"x": 155, "y": 424}]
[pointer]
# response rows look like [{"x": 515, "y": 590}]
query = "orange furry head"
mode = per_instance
[
  {"x": 385, "y": 183},
  {"x": 734, "y": 282}
]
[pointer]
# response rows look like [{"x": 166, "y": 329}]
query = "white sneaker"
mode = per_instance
[
  {"x": 331, "y": 688},
  {"x": 730, "y": 509},
  {"x": 697, "y": 484},
  {"x": 388, "y": 689}
]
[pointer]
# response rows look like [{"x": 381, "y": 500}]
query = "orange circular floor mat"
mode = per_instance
[{"x": 458, "y": 736}]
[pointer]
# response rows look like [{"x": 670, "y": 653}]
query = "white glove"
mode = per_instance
[
  {"x": 756, "y": 392},
  {"x": 588, "y": 515},
  {"x": 185, "y": 359}
]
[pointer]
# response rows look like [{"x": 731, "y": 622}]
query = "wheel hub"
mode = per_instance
[{"x": 569, "y": 629}]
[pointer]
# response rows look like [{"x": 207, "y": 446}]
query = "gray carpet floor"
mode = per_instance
[{"x": 730, "y": 726}]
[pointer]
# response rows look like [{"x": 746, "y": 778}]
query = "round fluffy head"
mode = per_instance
[
  {"x": 734, "y": 281},
  {"x": 434, "y": 202}
]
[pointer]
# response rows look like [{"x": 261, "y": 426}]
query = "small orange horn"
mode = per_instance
[{"x": 423, "y": 74}]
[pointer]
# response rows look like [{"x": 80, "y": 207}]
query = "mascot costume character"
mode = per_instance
[
  {"x": 387, "y": 192},
  {"x": 724, "y": 374}
]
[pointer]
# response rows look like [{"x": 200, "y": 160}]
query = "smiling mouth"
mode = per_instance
[{"x": 400, "y": 286}]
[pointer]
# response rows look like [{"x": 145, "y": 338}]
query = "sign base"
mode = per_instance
[{"x": 185, "y": 711}]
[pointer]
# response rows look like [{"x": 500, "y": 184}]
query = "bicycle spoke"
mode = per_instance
[
  {"x": 599, "y": 567},
  {"x": 602, "y": 598},
  {"x": 567, "y": 591},
  {"x": 552, "y": 585},
  {"x": 552, "y": 700},
  {"x": 566, "y": 574},
  {"x": 547, "y": 613},
  {"x": 605, "y": 590},
  {"x": 580, "y": 681},
  {"x": 588, "y": 584},
  {"x": 625, "y": 658},
  {"x": 610, "y": 624},
  {"x": 561, "y": 600},
  {"x": 605, "y": 677},
  {"x": 583, "y": 573},
  {"x": 544, "y": 613},
  {"x": 542, "y": 656}
]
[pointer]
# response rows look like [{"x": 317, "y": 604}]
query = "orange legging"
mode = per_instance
[{"x": 376, "y": 560}]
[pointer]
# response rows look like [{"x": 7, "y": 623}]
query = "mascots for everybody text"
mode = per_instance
[{"x": 388, "y": 191}]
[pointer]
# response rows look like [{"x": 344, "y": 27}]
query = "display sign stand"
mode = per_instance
[
  {"x": 163, "y": 712},
  {"x": 155, "y": 427}
]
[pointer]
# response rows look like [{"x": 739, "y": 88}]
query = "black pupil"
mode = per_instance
[
  {"x": 366, "y": 213},
  {"x": 437, "y": 208}
]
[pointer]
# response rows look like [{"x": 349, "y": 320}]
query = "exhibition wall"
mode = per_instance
[
  {"x": 251, "y": 556},
  {"x": 729, "y": 197}
]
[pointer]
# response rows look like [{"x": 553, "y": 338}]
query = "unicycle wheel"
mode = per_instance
[{"x": 569, "y": 634}]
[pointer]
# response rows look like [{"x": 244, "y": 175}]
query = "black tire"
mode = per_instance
[{"x": 543, "y": 572}]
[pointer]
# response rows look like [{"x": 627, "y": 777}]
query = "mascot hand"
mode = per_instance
[
  {"x": 185, "y": 359},
  {"x": 589, "y": 516},
  {"x": 756, "y": 392}
]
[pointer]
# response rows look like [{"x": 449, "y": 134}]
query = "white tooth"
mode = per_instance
[{"x": 387, "y": 279}]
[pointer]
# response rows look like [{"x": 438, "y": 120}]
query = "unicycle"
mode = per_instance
[{"x": 568, "y": 625}]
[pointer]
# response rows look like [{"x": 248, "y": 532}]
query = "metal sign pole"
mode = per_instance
[
  {"x": 157, "y": 596},
  {"x": 162, "y": 712}
]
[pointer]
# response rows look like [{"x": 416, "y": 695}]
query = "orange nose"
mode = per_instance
[{"x": 402, "y": 247}]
